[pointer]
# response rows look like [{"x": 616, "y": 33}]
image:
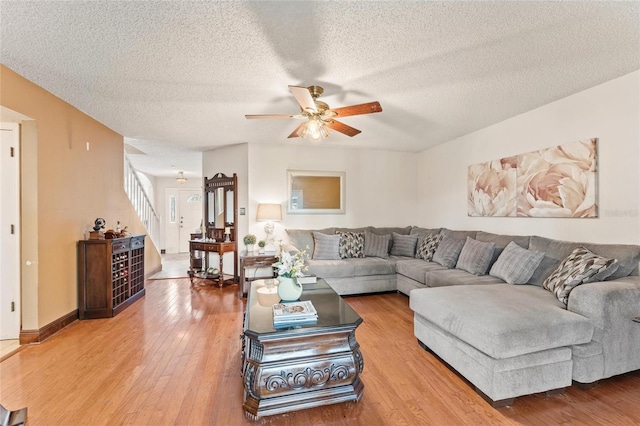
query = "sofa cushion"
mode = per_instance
[
  {"x": 580, "y": 267},
  {"x": 502, "y": 320},
  {"x": 448, "y": 251},
  {"x": 376, "y": 245},
  {"x": 351, "y": 244},
  {"x": 459, "y": 235},
  {"x": 331, "y": 268},
  {"x": 516, "y": 264},
  {"x": 427, "y": 246},
  {"x": 384, "y": 231},
  {"x": 326, "y": 246},
  {"x": 502, "y": 241},
  {"x": 556, "y": 250},
  {"x": 403, "y": 245},
  {"x": 416, "y": 269},
  {"x": 372, "y": 266},
  {"x": 301, "y": 238},
  {"x": 475, "y": 256},
  {"x": 447, "y": 277}
]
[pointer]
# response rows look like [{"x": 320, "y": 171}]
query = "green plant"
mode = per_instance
[
  {"x": 262, "y": 243},
  {"x": 249, "y": 240}
]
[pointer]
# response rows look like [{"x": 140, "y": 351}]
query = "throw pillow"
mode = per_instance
[
  {"x": 475, "y": 256},
  {"x": 448, "y": 251},
  {"x": 351, "y": 244},
  {"x": 428, "y": 246},
  {"x": 404, "y": 245},
  {"x": 516, "y": 265},
  {"x": 327, "y": 247},
  {"x": 376, "y": 245},
  {"x": 580, "y": 267}
]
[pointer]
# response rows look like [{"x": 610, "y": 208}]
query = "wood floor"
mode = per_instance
[{"x": 173, "y": 358}]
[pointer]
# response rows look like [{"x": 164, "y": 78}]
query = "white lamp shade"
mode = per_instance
[{"x": 270, "y": 212}]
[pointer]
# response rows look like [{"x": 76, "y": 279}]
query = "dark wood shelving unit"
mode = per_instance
[{"x": 110, "y": 275}]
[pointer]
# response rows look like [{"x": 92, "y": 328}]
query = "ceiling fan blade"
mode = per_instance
[
  {"x": 304, "y": 98},
  {"x": 342, "y": 128},
  {"x": 270, "y": 116},
  {"x": 297, "y": 131},
  {"x": 367, "y": 108}
]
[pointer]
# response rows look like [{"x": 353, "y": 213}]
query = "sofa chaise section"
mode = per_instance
[{"x": 507, "y": 340}]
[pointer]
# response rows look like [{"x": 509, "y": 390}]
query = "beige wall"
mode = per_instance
[
  {"x": 65, "y": 187},
  {"x": 609, "y": 112}
]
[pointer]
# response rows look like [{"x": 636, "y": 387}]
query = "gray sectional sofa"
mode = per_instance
[{"x": 507, "y": 339}]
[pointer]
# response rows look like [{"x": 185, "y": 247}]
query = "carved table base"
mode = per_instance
[{"x": 293, "y": 373}]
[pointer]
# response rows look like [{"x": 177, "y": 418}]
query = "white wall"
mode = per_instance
[
  {"x": 380, "y": 185},
  {"x": 609, "y": 112}
]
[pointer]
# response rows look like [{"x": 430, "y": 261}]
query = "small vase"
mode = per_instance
[{"x": 288, "y": 289}]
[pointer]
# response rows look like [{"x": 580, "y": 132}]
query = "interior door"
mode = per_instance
[
  {"x": 9, "y": 232},
  {"x": 190, "y": 211}
]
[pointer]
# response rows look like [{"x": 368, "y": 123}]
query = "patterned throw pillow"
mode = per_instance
[
  {"x": 376, "y": 245},
  {"x": 327, "y": 247},
  {"x": 351, "y": 244},
  {"x": 404, "y": 245},
  {"x": 516, "y": 265},
  {"x": 475, "y": 256},
  {"x": 448, "y": 251},
  {"x": 428, "y": 246},
  {"x": 580, "y": 267}
]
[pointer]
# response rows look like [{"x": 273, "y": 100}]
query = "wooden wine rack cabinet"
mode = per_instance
[{"x": 110, "y": 275}]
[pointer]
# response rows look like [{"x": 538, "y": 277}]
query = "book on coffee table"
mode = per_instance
[
  {"x": 294, "y": 312},
  {"x": 307, "y": 279}
]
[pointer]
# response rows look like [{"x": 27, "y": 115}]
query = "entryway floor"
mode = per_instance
[{"x": 174, "y": 265}]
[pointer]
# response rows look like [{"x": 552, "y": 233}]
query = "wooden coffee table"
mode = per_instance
[{"x": 304, "y": 366}]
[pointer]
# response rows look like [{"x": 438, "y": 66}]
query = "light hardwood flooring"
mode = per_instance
[{"x": 174, "y": 358}]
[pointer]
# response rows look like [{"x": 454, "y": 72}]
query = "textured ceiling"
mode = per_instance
[{"x": 177, "y": 77}]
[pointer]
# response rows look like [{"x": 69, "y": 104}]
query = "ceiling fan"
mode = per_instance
[{"x": 320, "y": 118}]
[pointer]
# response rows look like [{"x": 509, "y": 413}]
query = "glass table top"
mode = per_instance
[{"x": 333, "y": 311}]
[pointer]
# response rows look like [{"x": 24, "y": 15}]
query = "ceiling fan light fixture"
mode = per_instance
[
  {"x": 315, "y": 129},
  {"x": 181, "y": 179}
]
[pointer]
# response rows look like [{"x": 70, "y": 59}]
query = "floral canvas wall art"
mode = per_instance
[
  {"x": 553, "y": 182},
  {"x": 492, "y": 188},
  {"x": 558, "y": 181}
]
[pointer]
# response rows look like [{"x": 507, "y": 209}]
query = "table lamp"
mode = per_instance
[{"x": 269, "y": 213}]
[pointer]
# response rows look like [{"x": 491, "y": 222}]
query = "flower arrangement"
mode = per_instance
[{"x": 291, "y": 265}]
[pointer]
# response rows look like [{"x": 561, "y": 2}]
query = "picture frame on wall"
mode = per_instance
[{"x": 315, "y": 192}]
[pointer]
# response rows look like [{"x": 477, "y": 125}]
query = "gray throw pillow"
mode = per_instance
[
  {"x": 516, "y": 265},
  {"x": 376, "y": 245},
  {"x": 475, "y": 256},
  {"x": 404, "y": 245},
  {"x": 580, "y": 267},
  {"x": 351, "y": 244},
  {"x": 448, "y": 251},
  {"x": 327, "y": 247},
  {"x": 428, "y": 246}
]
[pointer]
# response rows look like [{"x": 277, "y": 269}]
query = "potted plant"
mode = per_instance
[
  {"x": 261, "y": 244},
  {"x": 290, "y": 267},
  {"x": 249, "y": 240}
]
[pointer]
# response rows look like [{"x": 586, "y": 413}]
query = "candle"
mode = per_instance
[{"x": 227, "y": 230}]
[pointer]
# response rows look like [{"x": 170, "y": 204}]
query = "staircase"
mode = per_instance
[{"x": 141, "y": 202}]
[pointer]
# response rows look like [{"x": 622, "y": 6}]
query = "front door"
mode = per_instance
[{"x": 190, "y": 210}]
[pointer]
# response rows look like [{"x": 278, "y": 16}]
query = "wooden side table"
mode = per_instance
[
  {"x": 220, "y": 247},
  {"x": 253, "y": 260}
]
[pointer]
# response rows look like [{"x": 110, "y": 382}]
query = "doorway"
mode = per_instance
[
  {"x": 10, "y": 231},
  {"x": 184, "y": 215}
]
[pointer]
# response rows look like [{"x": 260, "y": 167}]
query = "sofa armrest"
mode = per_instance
[
  {"x": 607, "y": 302},
  {"x": 611, "y": 306}
]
